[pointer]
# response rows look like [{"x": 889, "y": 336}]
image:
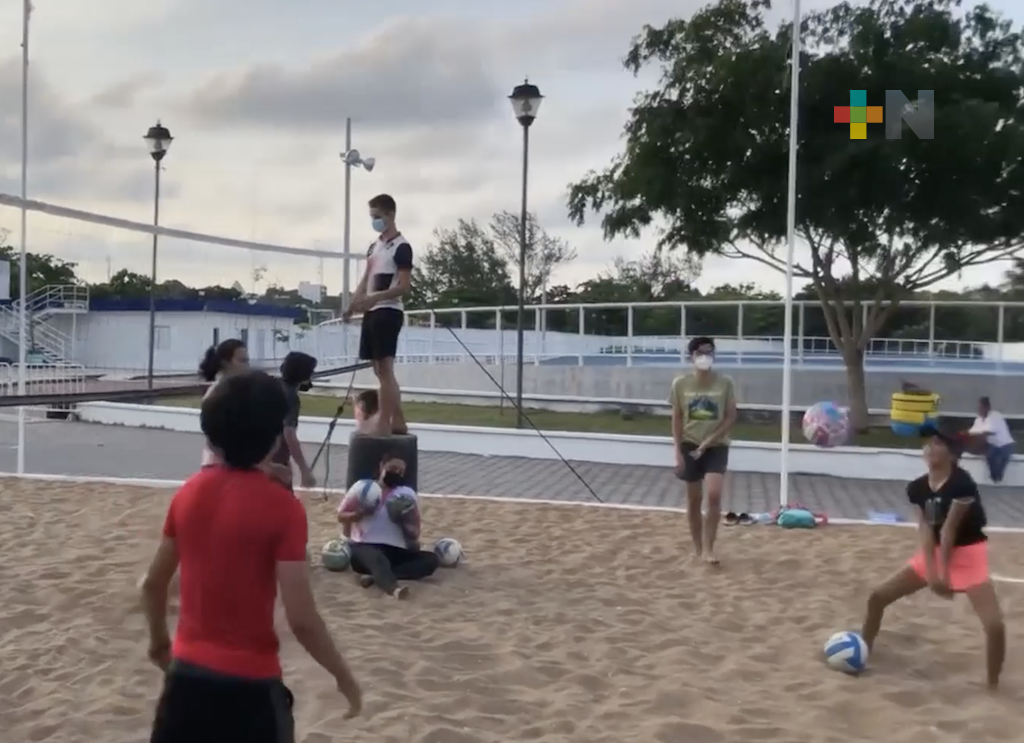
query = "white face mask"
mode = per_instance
[{"x": 703, "y": 362}]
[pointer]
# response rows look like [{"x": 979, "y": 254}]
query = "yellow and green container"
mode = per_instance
[{"x": 911, "y": 410}]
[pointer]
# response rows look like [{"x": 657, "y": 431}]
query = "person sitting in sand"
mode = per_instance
[
  {"x": 240, "y": 538},
  {"x": 367, "y": 410},
  {"x": 952, "y": 554},
  {"x": 384, "y": 543}
]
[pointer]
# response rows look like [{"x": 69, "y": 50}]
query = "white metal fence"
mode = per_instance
[{"x": 42, "y": 379}]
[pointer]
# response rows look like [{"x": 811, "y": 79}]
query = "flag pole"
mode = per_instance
[
  {"x": 22, "y": 256},
  {"x": 787, "y": 358}
]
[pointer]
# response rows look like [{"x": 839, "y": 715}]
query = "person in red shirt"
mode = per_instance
[{"x": 238, "y": 536}]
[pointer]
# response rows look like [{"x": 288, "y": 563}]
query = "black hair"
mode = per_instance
[
  {"x": 385, "y": 203},
  {"x": 953, "y": 439},
  {"x": 369, "y": 400},
  {"x": 217, "y": 356},
  {"x": 985, "y": 402},
  {"x": 243, "y": 417},
  {"x": 297, "y": 368},
  {"x": 696, "y": 343}
]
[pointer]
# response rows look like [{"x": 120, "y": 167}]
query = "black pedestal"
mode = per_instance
[{"x": 366, "y": 452}]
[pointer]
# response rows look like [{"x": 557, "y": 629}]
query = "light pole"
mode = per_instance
[
  {"x": 352, "y": 159},
  {"x": 526, "y": 99},
  {"x": 158, "y": 139}
]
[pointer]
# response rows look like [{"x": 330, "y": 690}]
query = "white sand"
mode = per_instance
[{"x": 564, "y": 625}]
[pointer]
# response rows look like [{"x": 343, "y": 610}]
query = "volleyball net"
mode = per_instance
[{"x": 89, "y": 326}]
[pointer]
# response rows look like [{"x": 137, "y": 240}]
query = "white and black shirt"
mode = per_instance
[{"x": 385, "y": 259}]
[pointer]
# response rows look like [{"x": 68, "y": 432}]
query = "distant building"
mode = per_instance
[{"x": 315, "y": 293}]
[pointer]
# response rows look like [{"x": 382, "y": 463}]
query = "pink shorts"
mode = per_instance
[{"x": 968, "y": 566}]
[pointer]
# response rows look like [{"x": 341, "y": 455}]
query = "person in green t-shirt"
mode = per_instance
[{"x": 703, "y": 413}]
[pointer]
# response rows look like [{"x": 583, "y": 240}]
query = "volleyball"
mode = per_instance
[
  {"x": 448, "y": 551},
  {"x": 366, "y": 494},
  {"x": 826, "y": 425},
  {"x": 335, "y": 555},
  {"x": 846, "y": 652}
]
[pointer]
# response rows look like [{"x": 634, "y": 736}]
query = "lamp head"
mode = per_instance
[
  {"x": 158, "y": 140},
  {"x": 368, "y": 163},
  {"x": 526, "y": 100}
]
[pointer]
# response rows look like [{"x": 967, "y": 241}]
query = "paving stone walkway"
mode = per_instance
[{"x": 85, "y": 449}]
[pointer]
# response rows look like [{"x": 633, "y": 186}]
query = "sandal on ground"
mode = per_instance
[{"x": 731, "y": 519}]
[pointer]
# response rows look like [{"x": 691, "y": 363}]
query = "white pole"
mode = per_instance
[
  {"x": 346, "y": 262},
  {"x": 787, "y": 358},
  {"x": 22, "y": 258}
]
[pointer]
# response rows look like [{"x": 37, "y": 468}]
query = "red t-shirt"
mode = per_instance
[{"x": 231, "y": 528}]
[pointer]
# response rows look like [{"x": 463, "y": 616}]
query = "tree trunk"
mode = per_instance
[{"x": 856, "y": 382}]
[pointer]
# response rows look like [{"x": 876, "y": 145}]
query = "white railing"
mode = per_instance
[
  {"x": 490, "y": 331},
  {"x": 57, "y": 297},
  {"x": 43, "y": 379},
  {"x": 43, "y": 338}
]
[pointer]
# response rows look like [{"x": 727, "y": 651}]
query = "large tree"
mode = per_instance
[
  {"x": 706, "y": 152},
  {"x": 544, "y": 252},
  {"x": 461, "y": 268}
]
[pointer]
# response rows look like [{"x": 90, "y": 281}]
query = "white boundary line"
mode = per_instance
[{"x": 155, "y": 483}]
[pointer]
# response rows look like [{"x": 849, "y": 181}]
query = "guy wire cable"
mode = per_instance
[
  {"x": 519, "y": 410},
  {"x": 326, "y": 443}
]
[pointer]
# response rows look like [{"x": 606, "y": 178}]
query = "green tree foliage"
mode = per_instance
[
  {"x": 706, "y": 152},
  {"x": 461, "y": 268},
  {"x": 42, "y": 270}
]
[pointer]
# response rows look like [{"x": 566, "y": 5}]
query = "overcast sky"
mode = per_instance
[{"x": 256, "y": 94}]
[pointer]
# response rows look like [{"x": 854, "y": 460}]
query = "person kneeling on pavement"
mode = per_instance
[{"x": 384, "y": 542}]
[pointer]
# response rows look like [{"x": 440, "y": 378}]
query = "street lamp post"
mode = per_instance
[
  {"x": 158, "y": 139},
  {"x": 526, "y": 100},
  {"x": 352, "y": 159}
]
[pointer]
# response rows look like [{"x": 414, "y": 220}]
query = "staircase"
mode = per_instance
[{"x": 46, "y": 343}]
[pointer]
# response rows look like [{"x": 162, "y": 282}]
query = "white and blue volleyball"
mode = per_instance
[
  {"x": 448, "y": 551},
  {"x": 367, "y": 494},
  {"x": 336, "y": 556},
  {"x": 846, "y": 652}
]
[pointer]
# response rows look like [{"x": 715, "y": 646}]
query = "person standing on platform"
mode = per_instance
[
  {"x": 992, "y": 429},
  {"x": 703, "y": 413},
  {"x": 387, "y": 279}
]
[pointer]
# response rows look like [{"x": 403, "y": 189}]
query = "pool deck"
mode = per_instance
[{"x": 65, "y": 448}]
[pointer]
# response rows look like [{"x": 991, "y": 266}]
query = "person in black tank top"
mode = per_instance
[{"x": 953, "y": 550}]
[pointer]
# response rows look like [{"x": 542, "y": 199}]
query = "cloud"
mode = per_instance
[
  {"x": 68, "y": 158},
  {"x": 409, "y": 73},
  {"x": 126, "y": 93}
]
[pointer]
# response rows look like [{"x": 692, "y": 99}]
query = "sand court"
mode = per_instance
[{"x": 564, "y": 624}]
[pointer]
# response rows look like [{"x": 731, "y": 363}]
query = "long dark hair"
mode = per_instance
[{"x": 217, "y": 356}]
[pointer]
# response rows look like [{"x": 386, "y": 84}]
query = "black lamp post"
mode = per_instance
[
  {"x": 158, "y": 139},
  {"x": 526, "y": 99}
]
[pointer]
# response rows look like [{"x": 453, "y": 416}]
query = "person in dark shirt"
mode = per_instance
[
  {"x": 953, "y": 549},
  {"x": 239, "y": 536},
  {"x": 297, "y": 376}
]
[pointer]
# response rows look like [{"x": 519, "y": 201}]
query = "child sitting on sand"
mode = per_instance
[{"x": 367, "y": 410}]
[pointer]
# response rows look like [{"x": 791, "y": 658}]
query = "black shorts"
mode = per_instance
[
  {"x": 715, "y": 459},
  {"x": 378, "y": 339},
  {"x": 201, "y": 707}
]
